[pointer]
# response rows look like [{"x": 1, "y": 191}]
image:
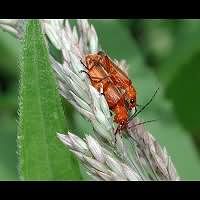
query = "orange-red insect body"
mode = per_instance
[
  {"x": 119, "y": 78},
  {"x": 101, "y": 80},
  {"x": 117, "y": 88}
]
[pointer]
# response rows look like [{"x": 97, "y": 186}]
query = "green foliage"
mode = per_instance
[
  {"x": 9, "y": 49},
  {"x": 8, "y": 160},
  {"x": 167, "y": 129},
  {"x": 182, "y": 82},
  {"x": 177, "y": 66},
  {"x": 41, "y": 155},
  {"x": 170, "y": 48}
]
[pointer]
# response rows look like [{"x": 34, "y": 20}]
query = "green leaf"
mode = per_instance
[
  {"x": 8, "y": 160},
  {"x": 9, "y": 51},
  {"x": 41, "y": 154},
  {"x": 183, "y": 91},
  {"x": 186, "y": 47},
  {"x": 56, "y": 53},
  {"x": 180, "y": 73},
  {"x": 118, "y": 43}
]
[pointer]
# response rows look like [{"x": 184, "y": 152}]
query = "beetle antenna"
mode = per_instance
[
  {"x": 150, "y": 100},
  {"x": 117, "y": 130},
  {"x": 145, "y": 122}
]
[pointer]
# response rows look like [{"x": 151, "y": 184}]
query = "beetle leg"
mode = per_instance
[
  {"x": 104, "y": 87},
  {"x": 117, "y": 130},
  {"x": 135, "y": 110},
  {"x": 94, "y": 65},
  {"x": 83, "y": 64},
  {"x": 84, "y": 72},
  {"x": 93, "y": 77},
  {"x": 101, "y": 89},
  {"x": 115, "y": 139},
  {"x": 101, "y": 79},
  {"x": 98, "y": 80}
]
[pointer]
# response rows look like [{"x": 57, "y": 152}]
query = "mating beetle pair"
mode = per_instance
[{"x": 115, "y": 85}]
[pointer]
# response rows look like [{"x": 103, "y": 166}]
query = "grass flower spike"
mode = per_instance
[
  {"x": 134, "y": 157},
  {"x": 13, "y": 26},
  {"x": 74, "y": 85},
  {"x": 101, "y": 164}
]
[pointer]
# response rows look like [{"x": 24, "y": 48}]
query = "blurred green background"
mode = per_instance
[{"x": 160, "y": 53}]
